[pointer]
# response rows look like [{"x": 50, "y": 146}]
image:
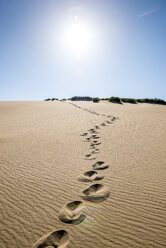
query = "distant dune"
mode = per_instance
[{"x": 80, "y": 174}]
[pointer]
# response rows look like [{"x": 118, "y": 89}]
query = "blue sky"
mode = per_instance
[{"x": 124, "y": 54}]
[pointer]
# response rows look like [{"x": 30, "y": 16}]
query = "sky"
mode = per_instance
[{"x": 97, "y": 48}]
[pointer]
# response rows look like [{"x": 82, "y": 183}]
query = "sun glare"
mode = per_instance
[{"x": 78, "y": 38}]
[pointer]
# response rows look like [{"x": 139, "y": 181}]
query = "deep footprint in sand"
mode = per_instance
[
  {"x": 55, "y": 239},
  {"x": 103, "y": 124},
  {"x": 100, "y": 165},
  {"x": 93, "y": 144},
  {"x": 90, "y": 176},
  {"x": 94, "y": 152},
  {"x": 88, "y": 155},
  {"x": 90, "y": 158},
  {"x": 92, "y": 130},
  {"x": 95, "y": 136},
  {"x": 72, "y": 213},
  {"x": 97, "y": 127},
  {"x": 95, "y": 193},
  {"x": 84, "y": 134}
]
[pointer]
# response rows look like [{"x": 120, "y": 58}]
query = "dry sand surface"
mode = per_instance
[{"x": 86, "y": 175}]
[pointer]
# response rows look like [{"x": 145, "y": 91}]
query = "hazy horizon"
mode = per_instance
[{"x": 73, "y": 47}]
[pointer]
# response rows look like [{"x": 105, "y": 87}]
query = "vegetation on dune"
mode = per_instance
[
  {"x": 154, "y": 101},
  {"x": 129, "y": 100},
  {"x": 51, "y": 99},
  {"x": 48, "y": 99},
  {"x": 114, "y": 99},
  {"x": 145, "y": 100},
  {"x": 54, "y": 99},
  {"x": 81, "y": 98},
  {"x": 96, "y": 99},
  {"x": 159, "y": 101}
]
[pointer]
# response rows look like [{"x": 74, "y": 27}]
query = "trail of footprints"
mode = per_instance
[{"x": 75, "y": 212}]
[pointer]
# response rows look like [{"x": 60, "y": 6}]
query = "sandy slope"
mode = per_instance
[{"x": 43, "y": 156}]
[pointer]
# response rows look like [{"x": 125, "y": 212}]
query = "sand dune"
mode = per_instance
[{"x": 44, "y": 167}]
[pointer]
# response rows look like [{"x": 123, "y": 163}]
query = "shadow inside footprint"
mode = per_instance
[
  {"x": 72, "y": 213},
  {"x": 97, "y": 143},
  {"x": 100, "y": 166},
  {"x": 90, "y": 176},
  {"x": 84, "y": 134},
  {"x": 55, "y": 239},
  {"x": 90, "y": 173},
  {"x": 95, "y": 152},
  {"x": 95, "y": 136},
  {"x": 103, "y": 124},
  {"x": 95, "y": 193},
  {"x": 88, "y": 155},
  {"x": 88, "y": 139},
  {"x": 97, "y": 127}
]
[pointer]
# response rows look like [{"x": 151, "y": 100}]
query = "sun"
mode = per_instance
[{"x": 78, "y": 38}]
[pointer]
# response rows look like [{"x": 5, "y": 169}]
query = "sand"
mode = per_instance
[{"x": 82, "y": 175}]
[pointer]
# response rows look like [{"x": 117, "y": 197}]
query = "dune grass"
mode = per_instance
[
  {"x": 112, "y": 99},
  {"x": 96, "y": 99},
  {"x": 129, "y": 100},
  {"x": 81, "y": 98}
]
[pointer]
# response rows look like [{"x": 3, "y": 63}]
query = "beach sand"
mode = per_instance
[{"x": 64, "y": 186}]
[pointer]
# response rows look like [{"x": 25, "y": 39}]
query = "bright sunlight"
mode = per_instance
[{"x": 78, "y": 38}]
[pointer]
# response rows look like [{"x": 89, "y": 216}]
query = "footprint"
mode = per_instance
[
  {"x": 93, "y": 145},
  {"x": 72, "y": 213},
  {"x": 92, "y": 130},
  {"x": 97, "y": 127},
  {"x": 95, "y": 193},
  {"x": 88, "y": 155},
  {"x": 100, "y": 166},
  {"x": 95, "y": 136},
  {"x": 92, "y": 158},
  {"x": 103, "y": 124},
  {"x": 55, "y": 239},
  {"x": 90, "y": 176},
  {"x": 95, "y": 152},
  {"x": 97, "y": 144},
  {"x": 84, "y": 134}
]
